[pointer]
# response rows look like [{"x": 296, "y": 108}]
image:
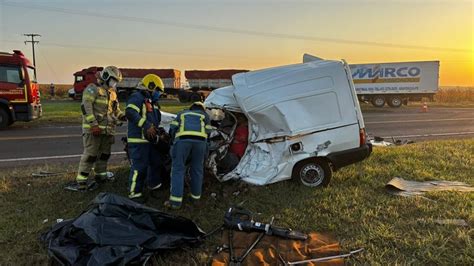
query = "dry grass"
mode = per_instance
[
  {"x": 60, "y": 91},
  {"x": 458, "y": 95},
  {"x": 355, "y": 208}
]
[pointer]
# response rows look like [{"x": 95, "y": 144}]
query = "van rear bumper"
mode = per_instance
[{"x": 347, "y": 157}]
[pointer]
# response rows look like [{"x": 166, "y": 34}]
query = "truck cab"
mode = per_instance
[
  {"x": 19, "y": 90},
  {"x": 82, "y": 79}
]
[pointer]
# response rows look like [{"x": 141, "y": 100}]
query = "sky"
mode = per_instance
[{"x": 245, "y": 34}]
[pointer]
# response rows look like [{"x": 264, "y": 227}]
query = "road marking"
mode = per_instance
[
  {"x": 49, "y": 157},
  {"x": 432, "y": 135},
  {"x": 420, "y": 120},
  {"x": 48, "y": 137}
]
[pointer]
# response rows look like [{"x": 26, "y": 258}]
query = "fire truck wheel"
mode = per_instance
[{"x": 4, "y": 118}]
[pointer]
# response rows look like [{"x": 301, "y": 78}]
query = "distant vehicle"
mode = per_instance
[
  {"x": 171, "y": 79},
  {"x": 19, "y": 91},
  {"x": 202, "y": 82},
  {"x": 395, "y": 83},
  {"x": 304, "y": 122}
]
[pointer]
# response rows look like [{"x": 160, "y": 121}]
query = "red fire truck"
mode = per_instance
[
  {"x": 19, "y": 91},
  {"x": 171, "y": 79}
]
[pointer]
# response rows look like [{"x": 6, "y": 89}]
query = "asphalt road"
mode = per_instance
[{"x": 24, "y": 145}]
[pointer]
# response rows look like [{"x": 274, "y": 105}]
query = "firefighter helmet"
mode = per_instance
[
  {"x": 198, "y": 105},
  {"x": 110, "y": 72},
  {"x": 151, "y": 82}
]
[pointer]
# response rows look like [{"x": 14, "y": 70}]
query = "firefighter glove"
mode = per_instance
[
  {"x": 95, "y": 130},
  {"x": 151, "y": 133}
]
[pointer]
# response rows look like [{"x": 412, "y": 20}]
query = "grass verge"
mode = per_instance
[
  {"x": 69, "y": 111},
  {"x": 355, "y": 208}
]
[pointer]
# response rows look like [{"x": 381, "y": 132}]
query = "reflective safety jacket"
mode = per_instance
[
  {"x": 190, "y": 123},
  {"x": 100, "y": 107},
  {"x": 139, "y": 118}
]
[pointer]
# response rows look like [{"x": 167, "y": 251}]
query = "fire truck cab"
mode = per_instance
[{"x": 19, "y": 91}]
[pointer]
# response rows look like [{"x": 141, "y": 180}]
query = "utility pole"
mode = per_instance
[{"x": 33, "y": 42}]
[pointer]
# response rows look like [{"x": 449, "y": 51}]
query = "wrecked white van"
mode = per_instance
[{"x": 304, "y": 121}]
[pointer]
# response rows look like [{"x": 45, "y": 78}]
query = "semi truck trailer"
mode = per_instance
[
  {"x": 131, "y": 76},
  {"x": 202, "y": 82},
  {"x": 395, "y": 83}
]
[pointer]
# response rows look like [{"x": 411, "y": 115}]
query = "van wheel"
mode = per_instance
[
  {"x": 378, "y": 101},
  {"x": 4, "y": 118},
  {"x": 395, "y": 101},
  {"x": 313, "y": 173}
]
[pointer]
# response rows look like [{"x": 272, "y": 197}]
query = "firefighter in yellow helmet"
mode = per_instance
[
  {"x": 100, "y": 116},
  {"x": 144, "y": 118}
]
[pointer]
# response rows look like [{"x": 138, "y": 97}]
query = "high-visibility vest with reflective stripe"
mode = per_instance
[
  {"x": 140, "y": 138},
  {"x": 138, "y": 117},
  {"x": 191, "y": 123},
  {"x": 100, "y": 107}
]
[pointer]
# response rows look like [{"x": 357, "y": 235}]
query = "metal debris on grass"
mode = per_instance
[
  {"x": 401, "y": 187},
  {"x": 381, "y": 142}
]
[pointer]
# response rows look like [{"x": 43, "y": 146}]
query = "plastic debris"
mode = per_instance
[{"x": 117, "y": 231}]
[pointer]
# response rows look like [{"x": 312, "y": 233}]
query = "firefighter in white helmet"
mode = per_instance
[{"x": 100, "y": 115}]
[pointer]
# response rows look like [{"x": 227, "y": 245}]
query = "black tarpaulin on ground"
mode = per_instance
[{"x": 117, "y": 231}]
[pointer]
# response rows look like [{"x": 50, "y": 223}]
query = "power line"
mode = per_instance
[
  {"x": 156, "y": 52},
  {"x": 40, "y": 52},
  {"x": 233, "y": 30},
  {"x": 33, "y": 42}
]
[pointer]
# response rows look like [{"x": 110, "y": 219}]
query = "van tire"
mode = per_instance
[
  {"x": 313, "y": 172},
  {"x": 4, "y": 118},
  {"x": 395, "y": 101},
  {"x": 378, "y": 101}
]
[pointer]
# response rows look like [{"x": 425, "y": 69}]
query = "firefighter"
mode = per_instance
[
  {"x": 100, "y": 115},
  {"x": 144, "y": 117},
  {"x": 188, "y": 134}
]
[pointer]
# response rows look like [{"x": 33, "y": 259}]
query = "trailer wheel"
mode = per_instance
[
  {"x": 4, "y": 118},
  {"x": 195, "y": 97},
  {"x": 122, "y": 95},
  {"x": 313, "y": 172},
  {"x": 395, "y": 101},
  {"x": 183, "y": 97},
  {"x": 378, "y": 101}
]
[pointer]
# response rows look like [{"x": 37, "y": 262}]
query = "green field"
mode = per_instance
[{"x": 355, "y": 208}]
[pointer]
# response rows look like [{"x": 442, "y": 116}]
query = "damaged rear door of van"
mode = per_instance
[{"x": 304, "y": 121}]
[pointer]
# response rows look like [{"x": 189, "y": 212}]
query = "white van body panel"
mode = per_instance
[{"x": 311, "y": 103}]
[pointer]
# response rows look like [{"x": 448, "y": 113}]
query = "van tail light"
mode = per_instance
[{"x": 362, "y": 137}]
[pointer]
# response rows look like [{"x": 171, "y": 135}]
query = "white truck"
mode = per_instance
[{"x": 395, "y": 83}]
